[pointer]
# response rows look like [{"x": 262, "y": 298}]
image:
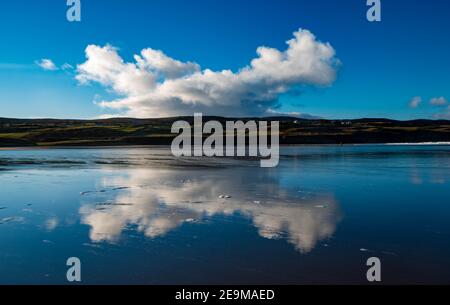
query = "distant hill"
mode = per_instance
[{"x": 130, "y": 131}]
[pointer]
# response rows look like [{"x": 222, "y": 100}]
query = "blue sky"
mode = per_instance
[{"x": 384, "y": 65}]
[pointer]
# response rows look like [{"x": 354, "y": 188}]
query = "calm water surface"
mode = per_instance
[{"x": 138, "y": 215}]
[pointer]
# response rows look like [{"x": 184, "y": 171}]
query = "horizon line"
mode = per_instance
[{"x": 225, "y": 117}]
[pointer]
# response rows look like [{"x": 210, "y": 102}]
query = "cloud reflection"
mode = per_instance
[{"x": 156, "y": 202}]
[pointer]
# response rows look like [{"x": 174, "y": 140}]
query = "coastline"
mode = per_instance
[{"x": 168, "y": 146}]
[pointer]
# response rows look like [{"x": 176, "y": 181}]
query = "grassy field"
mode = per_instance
[{"x": 46, "y": 132}]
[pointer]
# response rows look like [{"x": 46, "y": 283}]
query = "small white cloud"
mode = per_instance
[
  {"x": 47, "y": 64},
  {"x": 66, "y": 67},
  {"x": 438, "y": 101},
  {"x": 296, "y": 114},
  {"x": 415, "y": 102},
  {"x": 442, "y": 116},
  {"x": 445, "y": 115}
]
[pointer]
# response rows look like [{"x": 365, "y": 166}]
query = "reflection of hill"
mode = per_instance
[
  {"x": 158, "y": 201},
  {"x": 122, "y": 131}
]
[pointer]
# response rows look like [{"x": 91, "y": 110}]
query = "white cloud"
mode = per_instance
[
  {"x": 274, "y": 112},
  {"x": 156, "y": 85},
  {"x": 438, "y": 101},
  {"x": 66, "y": 67},
  {"x": 47, "y": 64},
  {"x": 106, "y": 67},
  {"x": 415, "y": 102},
  {"x": 443, "y": 115}
]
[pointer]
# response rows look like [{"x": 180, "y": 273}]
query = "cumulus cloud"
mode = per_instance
[
  {"x": 156, "y": 85},
  {"x": 47, "y": 64},
  {"x": 415, "y": 102},
  {"x": 438, "y": 101}
]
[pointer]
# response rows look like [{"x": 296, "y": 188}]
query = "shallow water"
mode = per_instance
[{"x": 138, "y": 215}]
